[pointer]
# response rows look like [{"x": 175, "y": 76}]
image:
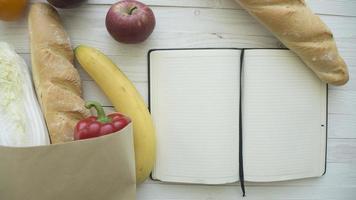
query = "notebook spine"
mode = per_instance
[{"x": 241, "y": 164}]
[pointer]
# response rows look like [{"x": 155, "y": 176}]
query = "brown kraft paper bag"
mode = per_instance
[{"x": 101, "y": 168}]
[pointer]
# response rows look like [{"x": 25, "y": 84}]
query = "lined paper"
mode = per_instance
[
  {"x": 284, "y": 117},
  {"x": 195, "y": 107}
]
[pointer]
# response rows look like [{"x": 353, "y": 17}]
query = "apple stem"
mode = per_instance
[{"x": 132, "y": 9}]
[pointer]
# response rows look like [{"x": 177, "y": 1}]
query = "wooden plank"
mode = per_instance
[
  {"x": 342, "y": 150},
  {"x": 330, "y": 7},
  {"x": 178, "y": 192},
  {"x": 93, "y": 92},
  {"x": 225, "y": 4},
  {"x": 342, "y": 102},
  {"x": 342, "y": 126}
]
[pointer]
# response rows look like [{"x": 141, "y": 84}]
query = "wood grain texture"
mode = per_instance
[
  {"x": 330, "y": 7},
  {"x": 220, "y": 23}
]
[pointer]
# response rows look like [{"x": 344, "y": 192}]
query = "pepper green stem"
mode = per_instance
[{"x": 99, "y": 110}]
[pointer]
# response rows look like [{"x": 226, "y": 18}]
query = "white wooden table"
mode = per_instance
[{"x": 221, "y": 23}]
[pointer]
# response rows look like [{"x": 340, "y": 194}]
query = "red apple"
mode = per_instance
[{"x": 130, "y": 21}]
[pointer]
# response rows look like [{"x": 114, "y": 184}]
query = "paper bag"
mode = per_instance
[{"x": 101, "y": 168}]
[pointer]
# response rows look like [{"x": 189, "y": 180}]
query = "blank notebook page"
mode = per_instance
[
  {"x": 195, "y": 106},
  {"x": 284, "y": 117}
]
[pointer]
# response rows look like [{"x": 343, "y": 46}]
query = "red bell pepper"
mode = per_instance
[{"x": 95, "y": 126}]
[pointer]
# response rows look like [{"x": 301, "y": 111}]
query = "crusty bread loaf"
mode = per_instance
[
  {"x": 57, "y": 82},
  {"x": 302, "y": 32}
]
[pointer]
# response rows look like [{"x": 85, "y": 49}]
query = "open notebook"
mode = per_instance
[{"x": 215, "y": 109}]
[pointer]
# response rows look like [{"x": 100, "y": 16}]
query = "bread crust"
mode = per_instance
[
  {"x": 57, "y": 82},
  {"x": 295, "y": 25}
]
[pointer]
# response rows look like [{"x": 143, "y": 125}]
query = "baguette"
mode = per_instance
[
  {"x": 57, "y": 82},
  {"x": 294, "y": 24}
]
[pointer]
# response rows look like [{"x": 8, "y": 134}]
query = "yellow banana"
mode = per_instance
[{"x": 126, "y": 99}]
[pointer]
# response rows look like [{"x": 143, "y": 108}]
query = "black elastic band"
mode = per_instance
[{"x": 241, "y": 163}]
